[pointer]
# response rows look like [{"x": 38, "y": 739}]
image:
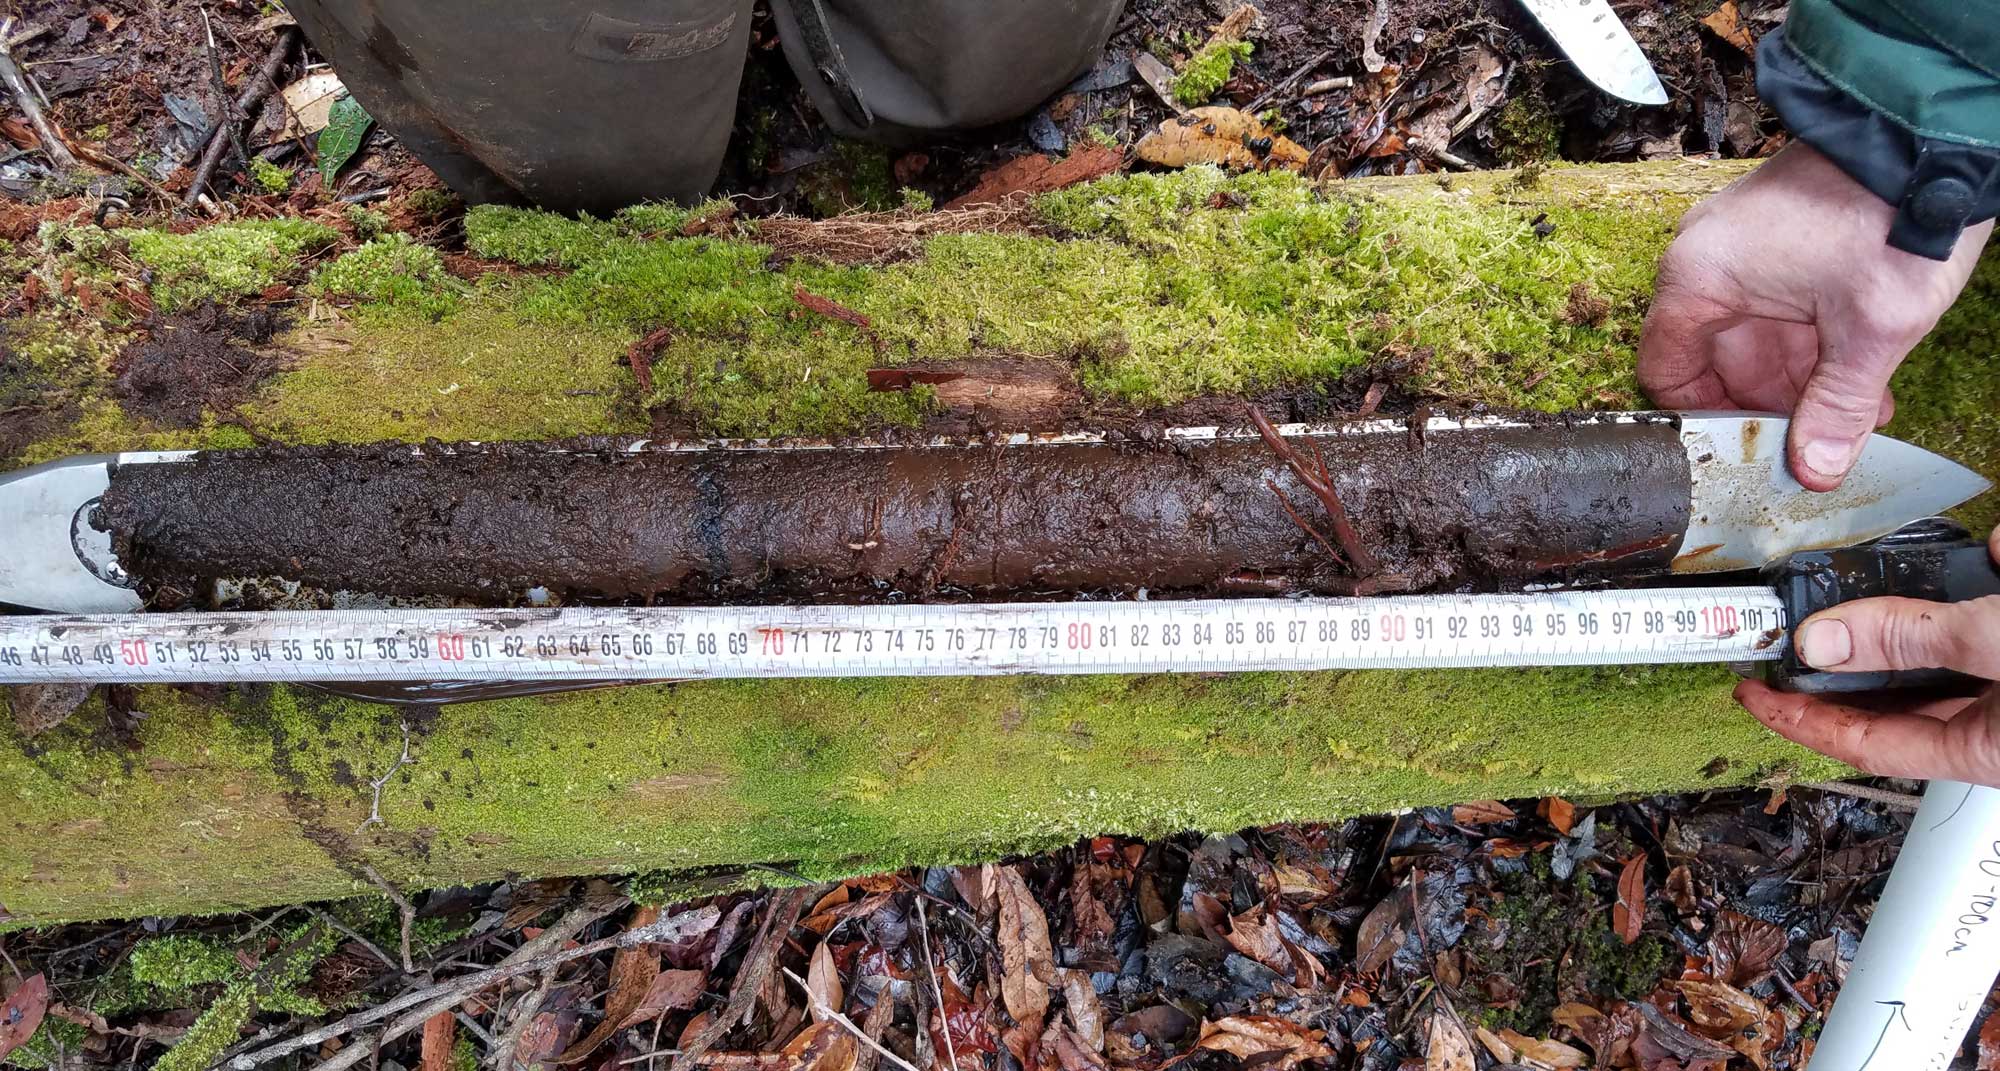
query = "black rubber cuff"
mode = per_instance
[{"x": 1939, "y": 187}]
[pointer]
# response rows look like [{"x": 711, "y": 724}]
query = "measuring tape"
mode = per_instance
[{"x": 1674, "y": 625}]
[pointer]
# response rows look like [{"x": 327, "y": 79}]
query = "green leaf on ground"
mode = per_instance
[{"x": 347, "y": 126}]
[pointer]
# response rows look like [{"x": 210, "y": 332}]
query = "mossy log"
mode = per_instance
[{"x": 1145, "y": 291}]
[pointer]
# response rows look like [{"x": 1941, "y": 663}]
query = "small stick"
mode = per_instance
[
  {"x": 1895, "y": 801},
  {"x": 17, "y": 83},
  {"x": 229, "y": 114},
  {"x": 403, "y": 906},
  {"x": 1321, "y": 485},
  {"x": 252, "y": 95},
  {"x": 937, "y": 991},
  {"x": 1307, "y": 68},
  {"x": 1285, "y": 500},
  {"x": 835, "y": 1015},
  {"x": 373, "y": 948},
  {"x": 375, "y": 800}
]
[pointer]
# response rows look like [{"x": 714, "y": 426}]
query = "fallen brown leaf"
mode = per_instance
[
  {"x": 1500, "y": 1050},
  {"x": 1560, "y": 812},
  {"x": 1028, "y": 961},
  {"x": 1038, "y": 173},
  {"x": 1085, "y": 1011},
  {"x": 670, "y": 991},
  {"x": 1448, "y": 1048},
  {"x": 1071, "y": 1052},
  {"x": 1227, "y": 137},
  {"x": 1628, "y": 915},
  {"x": 1719, "y": 1009},
  {"x": 1271, "y": 1043},
  {"x": 1742, "y": 949},
  {"x": 823, "y": 1047},
  {"x": 1481, "y": 812},
  {"x": 22, "y": 1013},
  {"x": 1727, "y": 23},
  {"x": 440, "y": 1033},
  {"x": 823, "y": 983},
  {"x": 632, "y": 973},
  {"x": 1544, "y": 1052},
  {"x": 1380, "y": 934}
]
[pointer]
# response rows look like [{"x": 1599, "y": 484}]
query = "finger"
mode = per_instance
[
  {"x": 1838, "y": 408},
  {"x": 1964, "y": 748},
  {"x": 1870, "y": 635}
]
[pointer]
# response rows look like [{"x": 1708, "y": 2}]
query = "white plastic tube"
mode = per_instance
[{"x": 1932, "y": 949}]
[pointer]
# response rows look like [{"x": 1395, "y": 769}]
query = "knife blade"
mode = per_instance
[{"x": 1600, "y": 46}]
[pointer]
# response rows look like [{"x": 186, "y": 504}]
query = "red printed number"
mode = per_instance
[{"x": 132, "y": 652}]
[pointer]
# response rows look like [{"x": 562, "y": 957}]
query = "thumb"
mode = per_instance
[
  {"x": 1891, "y": 633},
  {"x": 1839, "y": 408}
]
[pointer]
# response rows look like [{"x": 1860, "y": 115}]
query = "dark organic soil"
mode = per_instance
[
  {"x": 486, "y": 524},
  {"x": 193, "y": 362}
]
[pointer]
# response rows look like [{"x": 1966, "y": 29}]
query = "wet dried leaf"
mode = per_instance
[
  {"x": 1609, "y": 1036},
  {"x": 1085, "y": 1012},
  {"x": 1381, "y": 933},
  {"x": 1742, "y": 949},
  {"x": 1072, "y": 1053},
  {"x": 1628, "y": 915},
  {"x": 1227, "y": 137},
  {"x": 670, "y": 991},
  {"x": 440, "y": 1032},
  {"x": 1481, "y": 812},
  {"x": 1989, "y": 1044},
  {"x": 1727, "y": 23},
  {"x": 1038, "y": 173},
  {"x": 1255, "y": 934},
  {"x": 1544, "y": 1052},
  {"x": 1680, "y": 890},
  {"x": 823, "y": 1047},
  {"x": 632, "y": 974},
  {"x": 1028, "y": 961},
  {"x": 1677, "y": 1039},
  {"x": 1720, "y": 1010},
  {"x": 1560, "y": 813},
  {"x": 1270, "y": 1043},
  {"x": 22, "y": 1014},
  {"x": 823, "y": 983},
  {"x": 1500, "y": 1050},
  {"x": 1448, "y": 1049}
]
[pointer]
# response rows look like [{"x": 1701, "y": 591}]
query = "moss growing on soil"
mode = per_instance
[
  {"x": 224, "y": 261},
  {"x": 1527, "y": 131},
  {"x": 1208, "y": 69},
  {"x": 395, "y": 272},
  {"x": 1153, "y": 297},
  {"x": 1538, "y": 912}
]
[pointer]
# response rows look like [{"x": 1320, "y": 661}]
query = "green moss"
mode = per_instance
[
  {"x": 395, "y": 272},
  {"x": 56, "y": 1044},
  {"x": 224, "y": 261},
  {"x": 857, "y": 178},
  {"x": 431, "y": 203},
  {"x": 178, "y": 963},
  {"x": 535, "y": 239},
  {"x": 1537, "y": 912},
  {"x": 269, "y": 177},
  {"x": 1208, "y": 70},
  {"x": 367, "y": 223},
  {"x": 1527, "y": 129},
  {"x": 219, "y": 1026}
]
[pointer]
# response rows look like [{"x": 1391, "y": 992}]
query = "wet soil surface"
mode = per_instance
[
  {"x": 196, "y": 361},
  {"x": 486, "y": 524}
]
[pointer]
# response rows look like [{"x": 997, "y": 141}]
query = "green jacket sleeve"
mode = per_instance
[{"x": 1905, "y": 96}]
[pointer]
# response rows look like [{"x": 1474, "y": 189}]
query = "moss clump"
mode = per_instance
[
  {"x": 856, "y": 179},
  {"x": 392, "y": 271},
  {"x": 219, "y": 1026},
  {"x": 431, "y": 203},
  {"x": 367, "y": 223},
  {"x": 1527, "y": 130},
  {"x": 1208, "y": 70},
  {"x": 269, "y": 177},
  {"x": 55, "y": 1045},
  {"x": 225, "y": 261},
  {"x": 1536, "y": 912},
  {"x": 535, "y": 239},
  {"x": 176, "y": 964}
]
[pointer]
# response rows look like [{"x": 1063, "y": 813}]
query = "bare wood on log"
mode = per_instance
[
  {"x": 1320, "y": 483},
  {"x": 53, "y": 143},
  {"x": 261, "y": 85}
]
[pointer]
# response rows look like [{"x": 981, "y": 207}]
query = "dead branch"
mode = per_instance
[
  {"x": 785, "y": 909},
  {"x": 404, "y": 908},
  {"x": 545, "y": 950},
  {"x": 1291, "y": 511},
  {"x": 17, "y": 83},
  {"x": 375, "y": 797},
  {"x": 937, "y": 991},
  {"x": 261, "y": 84},
  {"x": 1320, "y": 483}
]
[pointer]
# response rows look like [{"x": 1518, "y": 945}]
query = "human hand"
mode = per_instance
[
  {"x": 1958, "y": 739},
  {"x": 1781, "y": 294}
]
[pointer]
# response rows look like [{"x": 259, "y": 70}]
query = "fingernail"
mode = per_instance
[
  {"x": 1828, "y": 457},
  {"x": 1825, "y": 644}
]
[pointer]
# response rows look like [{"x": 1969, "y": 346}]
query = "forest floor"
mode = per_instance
[{"x": 1704, "y": 931}]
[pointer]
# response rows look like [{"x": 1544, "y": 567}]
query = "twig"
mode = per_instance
[
  {"x": 229, "y": 113},
  {"x": 375, "y": 799},
  {"x": 403, "y": 905},
  {"x": 937, "y": 991},
  {"x": 1285, "y": 500},
  {"x": 1327, "y": 85},
  {"x": 355, "y": 936},
  {"x": 1304, "y": 69},
  {"x": 17, "y": 83},
  {"x": 1321, "y": 485},
  {"x": 501, "y": 1056},
  {"x": 542, "y": 952},
  {"x": 835, "y": 1015},
  {"x": 763, "y": 955},
  {"x": 1895, "y": 801},
  {"x": 252, "y": 95}
]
